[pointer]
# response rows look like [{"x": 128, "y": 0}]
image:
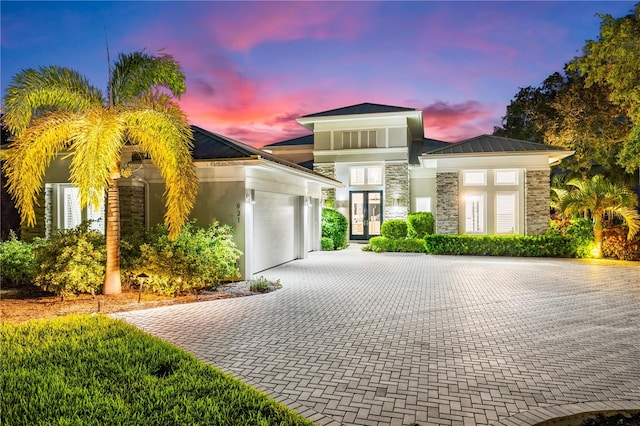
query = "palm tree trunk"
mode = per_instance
[
  {"x": 597, "y": 234},
  {"x": 112, "y": 284}
]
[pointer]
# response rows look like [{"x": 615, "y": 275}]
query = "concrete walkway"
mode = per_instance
[{"x": 400, "y": 339}]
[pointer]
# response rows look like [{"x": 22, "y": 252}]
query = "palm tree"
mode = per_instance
[
  {"x": 54, "y": 109},
  {"x": 597, "y": 197}
]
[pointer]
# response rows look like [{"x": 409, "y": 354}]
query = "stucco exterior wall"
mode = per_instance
[
  {"x": 537, "y": 183},
  {"x": 447, "y": 205}
]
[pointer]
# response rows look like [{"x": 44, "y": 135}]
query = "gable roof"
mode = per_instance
[
  {"x": 212, "y": 146},
  {"x": 302, "y": 140},
  {"x": 487, "y": 144},
  {"x": 364, "y": 108}
]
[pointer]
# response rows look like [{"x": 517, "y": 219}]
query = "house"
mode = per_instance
[
  {"x": 272, "y": 204},
  {"x": 484, "y": 185}
]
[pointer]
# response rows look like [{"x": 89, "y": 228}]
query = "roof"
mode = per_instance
[
  {"x": 364, "y": 108},
  {"x": 212, "y": 146},
  {"x": 427, "y": 145},
  {"x": 492, "y": 144},
  {"x": 302, "y": 140}
]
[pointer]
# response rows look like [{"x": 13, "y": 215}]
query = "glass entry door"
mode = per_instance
[{"x": 365, "y": 214}]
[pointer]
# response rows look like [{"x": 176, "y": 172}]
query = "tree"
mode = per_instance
[
  {"x": 586, "y": 121},
  {"x": 613, "y": 60},
  {"x": 598, "y": 197},
  {"x": 54, "y": 109}
]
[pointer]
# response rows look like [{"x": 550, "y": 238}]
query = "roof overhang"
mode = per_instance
[{"x": 554, "y": 156}]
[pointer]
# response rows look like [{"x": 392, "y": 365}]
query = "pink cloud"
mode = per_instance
[
  {"x": 236, "y": 30},
  {"x": 455, "y": 122}
]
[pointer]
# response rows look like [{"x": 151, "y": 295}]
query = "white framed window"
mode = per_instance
[
  {"x": 475, "y": 213},
  {"x": 355, "y": 139},
  {"x": 474, "y": 177},
  {"x": 423, "y": 204},
  {"x": 506, "y": 212},
  {"x": 62, "y": 209},
  {"x": 365, "y": 176},
  {"x": 506, "y": 177}
]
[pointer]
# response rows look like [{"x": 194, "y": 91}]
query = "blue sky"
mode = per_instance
[{"x": 252, "y": 67}]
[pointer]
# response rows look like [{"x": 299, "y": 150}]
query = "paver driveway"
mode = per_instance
[{"x": 364, "y": 338}]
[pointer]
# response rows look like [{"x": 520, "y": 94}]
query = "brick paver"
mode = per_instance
[{"x": 400, "y": 339}]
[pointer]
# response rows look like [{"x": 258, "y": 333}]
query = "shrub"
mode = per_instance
[
  {"x": 616, "y": 245},
  {"x": 420, "y": 224},
  {"x": 335, "y": 226},
  {"x": 394, "y": 229},
  {"x": 326, "y": 243},
  {"x": 512, "y": 245},
  {"x": 197, "y": 258},
  {"x": 383, "y": 244},
  {"x": 580, "y": 234},
  {"x": 263, "y": 285},
  {"x": 72, "y": 261},
  {"x": 17, "y": 262}
]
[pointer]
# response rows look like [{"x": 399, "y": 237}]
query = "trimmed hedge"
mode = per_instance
[
  {"x": 394, "y": 229},
  {"x": 335, "y": 226},
  {"x": 383, "y": 244},
  {"x": 493, "y": 245},
  {"x": 420, "y": 224}
]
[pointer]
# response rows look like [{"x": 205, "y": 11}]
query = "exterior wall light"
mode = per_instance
[{"x": 250, "y": 196}]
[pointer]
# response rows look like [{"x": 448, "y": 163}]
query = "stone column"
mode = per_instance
[
  {"x": 328, "y": 194},
  {"x": 396, "y": 190},
  {"x": 448, "y": 203},
  {"x": 537, "y": 199},
  {"x": 132, "y": 209}
]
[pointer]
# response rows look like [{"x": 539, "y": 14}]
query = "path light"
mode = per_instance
[{"x": 141, "y": 278}]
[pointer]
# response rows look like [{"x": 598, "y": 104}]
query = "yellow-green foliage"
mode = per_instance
[{"x": 93, "y": 370}]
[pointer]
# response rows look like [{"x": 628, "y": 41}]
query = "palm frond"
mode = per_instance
[
  {"x": 98, "y": 138},
  {"x": 630, "y": 216},
  {"x": 136, "y": 73},
  {"x": 30, "y": 154},
  {"x": 36, "y": 92},
  {"x": 164, "y": 134}
]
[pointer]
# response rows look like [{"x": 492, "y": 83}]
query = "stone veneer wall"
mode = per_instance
[
  {"x": 396, "y": 190},
  {"x": 447, "y": 208},
  {"x": 537, "y": 199},
  {"x": 131, "y": 209},
  {"x": 328, "y": 194}
]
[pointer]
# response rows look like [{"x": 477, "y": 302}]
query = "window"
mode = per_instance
[
  {"x": 359, "y": 139},
  {"x": 474, "y": 178},
  {"x": 423, "y": 204},
  {"x": 366, "y": 176},
  {"x": 506, "y": 177},
  {"x": 506, "y": 204},
  {"x": 62, "y": 209},
  {"x": 475, "y": 214}
]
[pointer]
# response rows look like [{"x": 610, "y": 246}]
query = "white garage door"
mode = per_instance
[{"x": 274, "y": 230}]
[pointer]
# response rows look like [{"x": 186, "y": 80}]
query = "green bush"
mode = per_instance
[
  {"x": 326, "y": 243},
  {"x": 335, "y": 226},
  {"x": 394, "y": 229},
  {"x": 197, "y": 258},
  {"x": 420, "y": 224},
  {"x": 383, "y": 244},
  {"x": 94, "y": 370},
  {"x": 17, "y": 262},
  {"x": 71, "y": 261},
  {"x": 489, "y": 245},
  {"x": 263, "y": 285},
  {"x": 580, "y": 234}
]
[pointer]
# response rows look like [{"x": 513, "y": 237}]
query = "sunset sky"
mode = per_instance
[{"x": 253, "y": 67}]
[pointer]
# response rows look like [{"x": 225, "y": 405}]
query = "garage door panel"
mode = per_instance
[{"x": 274, "y": 220}]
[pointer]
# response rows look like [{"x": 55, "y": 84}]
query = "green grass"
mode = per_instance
[{"x": 93, "y": 370}]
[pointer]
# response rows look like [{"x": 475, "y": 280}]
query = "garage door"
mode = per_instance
[{"x": 274, "y": 230}]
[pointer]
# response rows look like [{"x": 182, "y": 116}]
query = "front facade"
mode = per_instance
[{"x": 484, "y": 185}]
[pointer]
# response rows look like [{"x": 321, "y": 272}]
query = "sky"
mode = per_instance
[{"x": 252, "y": 68}]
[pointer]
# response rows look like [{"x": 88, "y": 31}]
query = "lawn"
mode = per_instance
[{"x": 93, "y": 370}]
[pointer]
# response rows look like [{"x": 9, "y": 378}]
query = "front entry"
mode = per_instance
[{"x": 365, "y": 214}]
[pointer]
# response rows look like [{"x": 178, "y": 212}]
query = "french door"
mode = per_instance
[{"x": 365, "y": 214}]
